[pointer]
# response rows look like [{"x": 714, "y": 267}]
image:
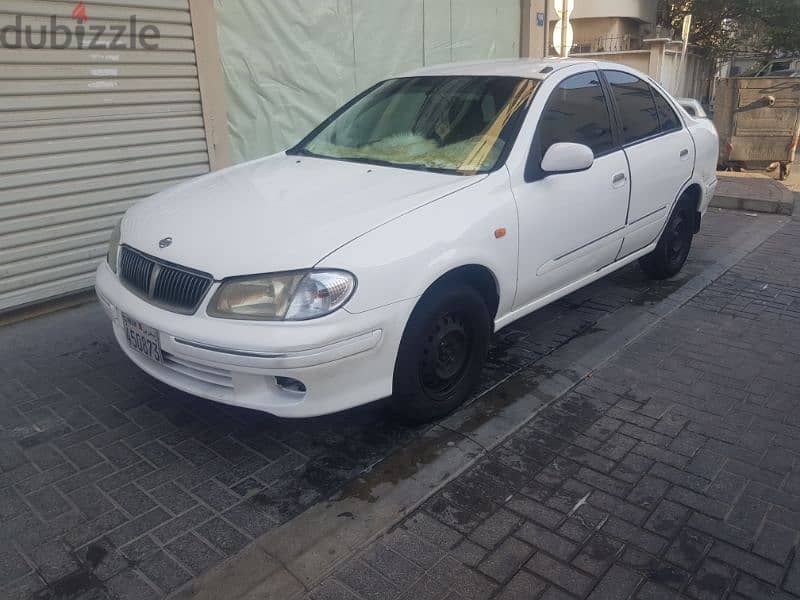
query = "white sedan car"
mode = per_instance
[{"x": 377, "y": 256}]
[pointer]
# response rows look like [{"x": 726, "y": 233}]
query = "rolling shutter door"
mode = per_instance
[{"x": 84, "y": 133}]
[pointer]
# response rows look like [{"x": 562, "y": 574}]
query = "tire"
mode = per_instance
[
  {"x": 441, "y": 354},
  {"x": 674, "y": 245}
]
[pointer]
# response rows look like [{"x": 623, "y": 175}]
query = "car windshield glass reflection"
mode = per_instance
[{"x": 452, "y": 124}]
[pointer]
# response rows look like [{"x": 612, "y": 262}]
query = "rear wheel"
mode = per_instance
[
  {"x": 673, "y": 247},
  {"x": 442, "y": 352}
]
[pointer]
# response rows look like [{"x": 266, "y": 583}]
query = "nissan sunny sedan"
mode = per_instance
[{"x": 377, "y": 257}]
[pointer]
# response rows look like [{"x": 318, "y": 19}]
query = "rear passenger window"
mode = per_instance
[
  {"x": 667, "y": 118},
  {"x": 577, "y": 112},
  {"x": 636, "y": 106}
]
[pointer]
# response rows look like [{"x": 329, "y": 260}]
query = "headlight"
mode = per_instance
[
  {"x": 320, "y": 293},
  {"x": 295, "y": 296},
  {"x": 113, "y": 246}
]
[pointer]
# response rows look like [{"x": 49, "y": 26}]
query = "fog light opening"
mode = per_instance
[{"x": 291, "y": 385}]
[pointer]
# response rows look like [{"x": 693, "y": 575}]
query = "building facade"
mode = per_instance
[
  {"x": 598, "y": 25},
  {"x": 103, "y": 103},
  {"x": 623, "y": 31}
]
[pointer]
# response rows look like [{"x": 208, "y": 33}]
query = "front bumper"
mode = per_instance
[{"x": 343, "y": 360}]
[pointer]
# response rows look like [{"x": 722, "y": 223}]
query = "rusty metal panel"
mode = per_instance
[{"x": 758, "y": 119}]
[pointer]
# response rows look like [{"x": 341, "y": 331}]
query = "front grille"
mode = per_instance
[{"x": 172, "y": 287}]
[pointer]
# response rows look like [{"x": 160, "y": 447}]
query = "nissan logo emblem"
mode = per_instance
[{"x": 165, "y": 243}]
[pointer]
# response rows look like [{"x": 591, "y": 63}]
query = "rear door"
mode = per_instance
[{"x": 660, "y": 152}]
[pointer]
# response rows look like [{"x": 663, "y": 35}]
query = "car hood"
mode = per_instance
[{"x": 278, "y": 213}]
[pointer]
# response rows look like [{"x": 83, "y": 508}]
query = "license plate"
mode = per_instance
[{"x": 142, "y": 338}]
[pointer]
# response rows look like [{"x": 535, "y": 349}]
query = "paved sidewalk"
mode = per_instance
[
  {"x": 115, "y": 486},
  {"x": 674, "y": 471}
]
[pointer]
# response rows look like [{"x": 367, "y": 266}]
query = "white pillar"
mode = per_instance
[{"x": 658, "y": 48}]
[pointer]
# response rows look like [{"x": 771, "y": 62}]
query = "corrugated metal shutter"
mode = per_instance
[{"x": 86, "y": 132}]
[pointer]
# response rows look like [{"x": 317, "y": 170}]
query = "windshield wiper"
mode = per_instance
[{"x": 298, "y": 151}]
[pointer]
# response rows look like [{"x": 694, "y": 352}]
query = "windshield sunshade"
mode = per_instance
[{"x": 453, "y": 124}]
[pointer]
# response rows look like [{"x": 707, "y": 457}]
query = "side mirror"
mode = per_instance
[{"x": 567, "y": 158}]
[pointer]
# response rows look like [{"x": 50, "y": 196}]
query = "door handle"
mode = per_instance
[
  {"x": 684, "y": 153},
  {"x": 619, "y": 179}
]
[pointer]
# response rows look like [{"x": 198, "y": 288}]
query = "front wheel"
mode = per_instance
[
  {"x": 442, "y": 352},
  {"x": 673, "y": 247}
]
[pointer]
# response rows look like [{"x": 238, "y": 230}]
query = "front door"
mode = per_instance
[{"x": 571, "y": 224}]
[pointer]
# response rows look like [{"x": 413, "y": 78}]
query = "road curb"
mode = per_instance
[
  {"x": 796, "y": 212},
  {"x": 774, "y": 207},
  {"x": 288, "y": 561},
  {"x": 753, "y": 193}
]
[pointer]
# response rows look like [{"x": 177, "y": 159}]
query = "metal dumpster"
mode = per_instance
[{"x": 758, "y": 120}]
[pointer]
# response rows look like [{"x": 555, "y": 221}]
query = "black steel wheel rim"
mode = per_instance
[
  {"x": 678, "y": 238},
  {"x": 445, "y": 355}
]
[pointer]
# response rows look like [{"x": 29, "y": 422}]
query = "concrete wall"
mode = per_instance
[
  {"x": 642, "y": 10},
  {"x": 663, "y": 65},
  {"x": 535, "y": 35},
  {"x": 638, "y": 59},
  {"x": 693, "y": 82}
]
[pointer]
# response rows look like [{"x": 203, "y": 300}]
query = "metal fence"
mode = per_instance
[
  {"x": 617, "y": 43},
  {"x": 622, "y": 43}
]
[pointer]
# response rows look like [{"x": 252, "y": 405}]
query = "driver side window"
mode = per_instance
[{"x": 577, "y": 112}]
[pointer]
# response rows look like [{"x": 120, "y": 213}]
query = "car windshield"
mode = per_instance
[{"x": 449, "y": 124}]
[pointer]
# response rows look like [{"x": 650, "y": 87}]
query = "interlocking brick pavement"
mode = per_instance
[
  {"x": 671, "y": 472},
  {"x": 115, "y": 486}
]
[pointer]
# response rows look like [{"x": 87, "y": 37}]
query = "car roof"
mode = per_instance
[{"x": 512, "y": 67}]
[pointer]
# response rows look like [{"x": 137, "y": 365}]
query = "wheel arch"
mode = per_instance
[
  {"x": 478, "y": 276},
  {"x": 694, "y": 192},
  {"x": 475, "y": 285}
]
